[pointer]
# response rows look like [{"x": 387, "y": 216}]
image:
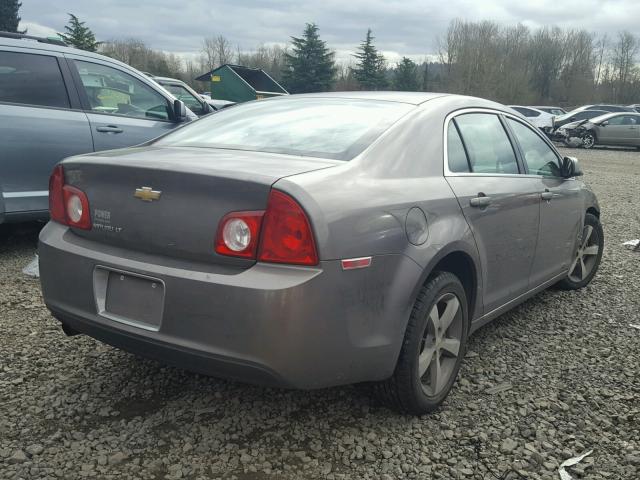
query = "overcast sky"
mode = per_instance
[{"x": 408, "y": 27}]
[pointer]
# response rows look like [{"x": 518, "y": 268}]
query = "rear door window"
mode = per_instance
[
  {"x": 489, "y": 148},
  {"x": 112, "y": 91},
  {"x": 31, "y": 79}
]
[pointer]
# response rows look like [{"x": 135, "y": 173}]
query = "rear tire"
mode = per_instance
[
  {"x": 432, "y": 350},
  {"x": 588, "y": 256}
]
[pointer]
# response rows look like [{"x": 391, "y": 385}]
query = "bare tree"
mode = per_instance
[
  {"x": 623, "y": 63},
  {"x": 215, "y": 51}
]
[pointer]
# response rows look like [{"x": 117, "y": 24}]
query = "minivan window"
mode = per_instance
[
  {"x": 316, "y": 127},
  {"x": 539, "y": 157},
  {"x": 110, "y": 90},
  {"x": 488, "y": 146},
  {"x": 31, "y": 79}
]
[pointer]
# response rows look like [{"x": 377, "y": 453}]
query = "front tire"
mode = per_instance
[
  {"x": 432, "y": 350},
  {"x": 588, "y": 255},
  {"x": 588, "y": 140}
]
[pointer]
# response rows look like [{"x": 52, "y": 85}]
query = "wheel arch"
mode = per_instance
[{"x": 460, "y": 260}]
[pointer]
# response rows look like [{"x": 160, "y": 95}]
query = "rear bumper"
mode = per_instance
[{"x": 269, "y": 324}]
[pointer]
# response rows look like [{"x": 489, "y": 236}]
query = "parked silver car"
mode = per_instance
[
  {"x": 621, "y": 129},
  {"x": 317, "y": 240},
  {"x": 57, "y": 101}
]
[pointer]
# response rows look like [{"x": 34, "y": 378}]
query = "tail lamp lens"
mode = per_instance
[
  {"x": 286, "y": 235},
  {"x": 281, "y": 234},
  {"x": 238, "y": 234},
  {"x": 74, "y": 208},
  {"x": 67, "y": 205},
  {"x": 56, "y": 197}
]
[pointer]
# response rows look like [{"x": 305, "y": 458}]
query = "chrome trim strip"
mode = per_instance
[{"x": 33, "y": 193}]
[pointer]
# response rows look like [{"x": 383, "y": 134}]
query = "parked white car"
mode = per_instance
[{"x": 542, "y": 120}]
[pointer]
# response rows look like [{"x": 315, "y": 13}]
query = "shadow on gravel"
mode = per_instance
[{"x": 19, "y": 235}]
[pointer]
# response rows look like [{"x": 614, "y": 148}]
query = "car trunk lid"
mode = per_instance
[{"x": 170, "y": 200}]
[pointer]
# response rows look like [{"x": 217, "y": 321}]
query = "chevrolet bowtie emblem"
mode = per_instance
[{"x": 147, "y": 194}]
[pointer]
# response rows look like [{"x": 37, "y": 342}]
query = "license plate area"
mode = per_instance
[{"x": 129, "y": 298}]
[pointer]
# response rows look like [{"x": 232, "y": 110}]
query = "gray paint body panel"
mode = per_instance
[{"x": 309, "y": 327}]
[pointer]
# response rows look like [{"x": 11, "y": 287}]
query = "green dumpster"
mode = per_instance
[{"x": 236, "y": 83}]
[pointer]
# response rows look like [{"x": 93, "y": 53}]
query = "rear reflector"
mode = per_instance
[
  {"x": 353, "y": 263},
  {"x": 286, "y": 234}
]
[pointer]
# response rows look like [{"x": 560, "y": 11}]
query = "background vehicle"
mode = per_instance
[
  {"x": 576, "y": 115},
  {"x": 636, "y": 107},
  {"x": 542, "y": 120},
  {"x": 57, "y": 101},
  {"x": 186, "y": 94},
  {"x": 316, "y": 240},
  {"x": 606, "y": 108},
  {"x": 622, "y": 129},
  {"x": 199, "y": 104},
  {"x": 552, "y": 110}
]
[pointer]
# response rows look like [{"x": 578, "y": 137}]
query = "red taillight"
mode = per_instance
[
  {"x": 67, "y": 205},
  {"x": 56, "y": 197},
  {"x": 238, "y": 234},
  {"x": 286, "y": 233}
]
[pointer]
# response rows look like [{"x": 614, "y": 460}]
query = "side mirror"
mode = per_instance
[
  {"x": 571, "y": 167},
  {"x": 179, "y": 111},
  {"x": 605, "y": 123},
  {"x": 572, "y": 119}
]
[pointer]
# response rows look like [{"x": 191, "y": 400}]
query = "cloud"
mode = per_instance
[{"x": 401, "y": 27}]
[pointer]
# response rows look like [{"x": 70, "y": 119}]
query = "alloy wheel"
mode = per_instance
[
  {"x": 586, "y": 256},
  {"x": 588, "y": 140},
  {"x": 440, "y": 344}
]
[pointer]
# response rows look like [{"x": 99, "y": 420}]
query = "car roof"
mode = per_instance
[
  {"x": 608, "y": 115},
  {"x": 414, "y": 98},
  {"x": 49, "y": 47},
  {"x": 167, "y": 79}
]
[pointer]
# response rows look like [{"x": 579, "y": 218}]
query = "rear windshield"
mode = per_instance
[{"x": 316, "y": 127}]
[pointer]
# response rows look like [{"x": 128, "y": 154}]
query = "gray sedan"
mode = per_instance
[
  {"x": 319, "y": 240},
  {"x": 620, "y": 129}
]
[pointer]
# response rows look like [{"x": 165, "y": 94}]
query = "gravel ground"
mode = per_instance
[{"x": 552, "y": 379}]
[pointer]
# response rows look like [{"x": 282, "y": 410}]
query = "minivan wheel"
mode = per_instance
[
  {"x": 588, "y": 255},
  {"x": 588, "y": 140},
  {"x": 432, "y": 350}
]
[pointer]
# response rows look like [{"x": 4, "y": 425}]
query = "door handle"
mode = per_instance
[
  {"x": 109, "y": 129},
  {"x": 480, "y": 201},
  {"x": 546, "y": 195}
]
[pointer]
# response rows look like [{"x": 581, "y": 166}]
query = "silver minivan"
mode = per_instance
[{"x": 57, "y": 101}]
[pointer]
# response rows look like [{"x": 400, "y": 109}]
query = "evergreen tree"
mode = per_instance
[
  {"x": 9, "y": 19},
  {"x": 310, "y": 67},
  {"x": 405, "y": 77},
  {"x": 370, "y": 69},
  {"x": 78, "y": 35}
]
